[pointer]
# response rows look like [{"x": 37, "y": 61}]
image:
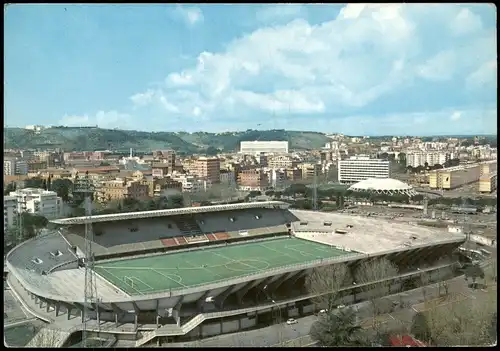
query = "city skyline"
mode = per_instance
[{"x": 354, "y": 69}]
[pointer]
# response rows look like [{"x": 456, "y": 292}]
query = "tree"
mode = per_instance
[
  {"x": 212, "y": 151},
  {"x": 33, "y": 224},
  {"x": 35, "y": 182},
  {"x": 374, "y": 275},
  {"x": 424, "y": 279},
  {"x": 402, "y": 158},
  {"x": 9, "y": 187},
  {"x": 62, "y": 187},
  {"x": 47, "y": 337},
  {"x": 420, "y": 327},
  {"x": 338, "y": 328},
  {"x": 325, "y": 282},
  {"x": 473, "y": 272},
  {"x": 468, "y": 322}
]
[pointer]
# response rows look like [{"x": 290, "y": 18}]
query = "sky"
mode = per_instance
[{"x": 358, "y": 69}]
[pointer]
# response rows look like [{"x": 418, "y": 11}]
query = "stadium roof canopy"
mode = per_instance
[
  {"x": 383, "y": 186},
  {"x": 170, "y": 212}
]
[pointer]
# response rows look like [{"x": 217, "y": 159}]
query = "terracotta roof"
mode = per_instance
[
  {"x": 8, "y": 179},
  {"x": 98, "y": 169}
]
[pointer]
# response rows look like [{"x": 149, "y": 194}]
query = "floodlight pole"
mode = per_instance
[{"x": 84, "y": 186}]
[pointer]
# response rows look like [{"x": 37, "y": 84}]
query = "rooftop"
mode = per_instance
[
  {"x": 366, "y": 235},
  {"x": 170, "y": 212},
  {"x": 388, "y": 184}
]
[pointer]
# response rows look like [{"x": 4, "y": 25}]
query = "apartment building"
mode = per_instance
[
  {"x": 416, "y": 159},
  {"x": 161, "y": 169},
  {"x": 308, "y": 170},
  {"x": 84, "y": 155},
  {"x": 358, "y": 168},
  {"x": 190, "y": 183},
  {"x": 166, "y": 156},
  {"x": 34, "y": 166},
  {"x": 14, "y": 166},
  {"x": 208, "y": 168},
  {"x": 38, "y": 201},
  {"x": 293, "y": 174},
  {"x": 9, "y": 212},
  {"x": 41, "y": 155},
  {"x": 227, "y": 178},
  {"x": 277, "y": 178},
  {"x": 281, "y": 162},
  {"x": 253, "y": 179},
  {"x": 120, "y": 189},
  {"x": 258, "y": 147},
  {"x": 156, "y": 186},
  {"x": 488, "y": 183},
  {"x": 454, "y": 177}
]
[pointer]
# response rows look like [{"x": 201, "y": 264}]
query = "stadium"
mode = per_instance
[
  {"x": 383, "y": 186},
  {"x": 184, "y": 274}
]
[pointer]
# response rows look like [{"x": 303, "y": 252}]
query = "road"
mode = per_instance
[{"x": 297, "y": 334}]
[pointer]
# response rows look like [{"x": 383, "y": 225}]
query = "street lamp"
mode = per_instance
[{"x": 280, "y": 336}]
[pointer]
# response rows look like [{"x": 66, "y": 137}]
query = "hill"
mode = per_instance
[{"x": 90, "y": 138}]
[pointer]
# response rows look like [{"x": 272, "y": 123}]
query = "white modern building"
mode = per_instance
[
  {"x": 257, "y": 147},
  {"x": 415, "y": 159},
  {"x": 38, "y": 201},
  {"x": 9, "y": 212},
  {"x": 358, "y": 168}
]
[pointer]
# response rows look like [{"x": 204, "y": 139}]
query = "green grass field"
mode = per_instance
[{"x": 181, "y": 270}]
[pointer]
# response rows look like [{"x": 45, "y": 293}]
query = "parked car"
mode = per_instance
[{"x": 291, "y": 321}]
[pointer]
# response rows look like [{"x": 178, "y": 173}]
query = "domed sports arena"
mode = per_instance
[{"x": 383, "y": 186}]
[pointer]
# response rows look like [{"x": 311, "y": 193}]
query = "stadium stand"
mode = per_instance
[
  {"x": 234, "y": 221},
  {"x": 43, "y": 255},
  {"x": 221, "y": 236},
  {"x": 188, "y": 225},
  {"x": 180, "y": 240},
  {"x": 168, "y": 242},
  {"x": 211, "y": 237},
  {"x": 196, "y": 239},
  {"x": 134, "y": 231}
]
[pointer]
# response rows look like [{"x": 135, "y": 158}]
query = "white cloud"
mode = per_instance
[
  {"x": 142, "y": 99},
  {"x": 366, "y": 54},
  {"x": 483, "y": 76},
  {"x": 465, "y": 22},
  {"x": 455, "y": 116},
  {"x": 278, "y": 12},
  {"x": 190, "y": 15},
  {"x": 103, "y": 119},
  {"x": 439, "y": 67}
]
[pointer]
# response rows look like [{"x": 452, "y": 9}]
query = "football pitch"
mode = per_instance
[{"x": 146, "y": 275}]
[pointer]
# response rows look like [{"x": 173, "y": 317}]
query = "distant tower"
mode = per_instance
[
  {"x": 131, "y": 152},
  {"x": 84, "y": 186},
  {"x": 426, "y": 206}
]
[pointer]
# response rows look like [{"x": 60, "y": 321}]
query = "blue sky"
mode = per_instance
[{"x": 354, "y": 69}]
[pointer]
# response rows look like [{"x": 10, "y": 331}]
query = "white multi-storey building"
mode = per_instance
[
  {"x": 358, "y": 168},
  {"x": 257, "y": 147},
  {"x": 415, "y": 159},
  {"x": 9, "y": 212},
  {"x": 38, "y": 201},
  {"x": 14, "y": 167},
  {"x": 191, "y": 184}
]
